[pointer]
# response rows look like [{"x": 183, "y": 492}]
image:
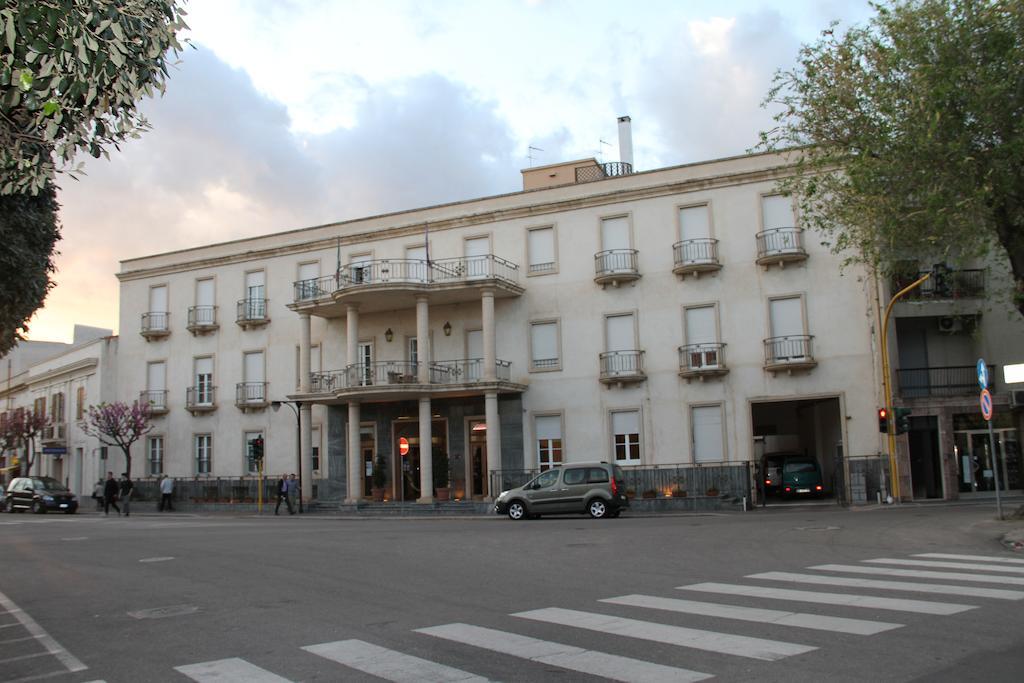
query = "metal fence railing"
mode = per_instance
[
  {"x": 780, "y": 241},
  {"x": 616, "y": 262},
  {"x": 210, "y": 489},
  {"x": 202, "y": 316},
  {"x": 701, "y": 357},
  {"x": 960, "y": 380},
  {"x": 621, "y": 364},
  {"x": 793, "y": 348},
  {"x": 588, "y": 174},
  {"x": 944, "y": 283},
  {"x": 379, "y": 373},
  {"x": 155, "y": 322},
  {"x": 703, "y": 251},
  {"x": 156, "y": 399},
  {"x": 251, "y": 310}
]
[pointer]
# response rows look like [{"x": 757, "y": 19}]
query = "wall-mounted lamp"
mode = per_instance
[
  {"x": 447, "y": 329},
  {"x": 389, "y": 335}
]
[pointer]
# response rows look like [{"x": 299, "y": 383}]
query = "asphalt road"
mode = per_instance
[{"x": 313, "y": 598}]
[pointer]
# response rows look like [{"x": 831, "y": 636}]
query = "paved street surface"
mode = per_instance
[{"x": 900, "y": 594}]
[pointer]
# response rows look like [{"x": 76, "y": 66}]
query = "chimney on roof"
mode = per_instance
[{"x": 625, "y": 141}]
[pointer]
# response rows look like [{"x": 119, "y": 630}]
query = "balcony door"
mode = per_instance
[
  {"x": 204, "y": 381},
  {"x": 478, "y": 266},
  {"x": 620, "y": 333},
  {"x": 700, "y": 329},
  {"x": 416, "y": 264},
  {"x": 158, "y": 299},
  {"x": 253, "y": 370},
  {"x": 204, "y": 302},
  {"x": 615, "y": 233},
  {"x": 365, "y": 361},
  {"x": 787, "y": 320},
  {"x": 156, "y": 383},
  {"x": 474, "y": 355},
  {"x": 255, "y": 295}
]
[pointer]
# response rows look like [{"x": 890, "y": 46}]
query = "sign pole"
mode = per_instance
[
  {"x": 995, "y": 468},
  {"x": 987, "y": 408}
]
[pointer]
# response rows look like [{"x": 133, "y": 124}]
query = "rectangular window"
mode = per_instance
[
  {"x": 80, "y": 403},
  {"x": 474, "y": 354},
  {"x": 253, "y": 374},
  {"x": 204, "y": 453},
  {"x": 777, "y": 212},
  {"x": 544, "y": 346},
  {"x": 702, "y": 351},
  {"x": 315, "y": 465},
  {"x": 155, "y": 455},
  {"x": 156, "y": 377},
  {"x": 158, "y": 299},
  {"x": 478, "y": 261},
  {"x": 360, "y": 268},
  {"x": 204, "y": 381},
  {"x": 205, "y": 313},
  {"x": 615, "y": 233},
  {"x": 626, "y": 436},
  {"x": 39, "y": 406},
  {"x": 57, "y": 408},
  {"x": 620, "y": 333},
  {"x": 365, "y": 361},
  {"x": 540, "y": 245},
  {"x": 255, "y": 295},
  {"x": 786, "y": 316},
  {"x": 549, "y": 440},
  {"x": 706, "y": 427},
  {"x": 251, "y": 464},
  {"x": 694, "y": 223}
]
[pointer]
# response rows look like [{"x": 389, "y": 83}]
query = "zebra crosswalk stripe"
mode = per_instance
[
  {"x": 568, "y": 657},
  {"x": 919, "y": 574},
  {"x": 860, "y": 627},
  {"x": 939, "y": 564},
  {"x": 943, "y": 589},
  {"x": 712, "y": 641},
  {"x": 226, "y": 670},
  {"x": 844, "y": 599},
  {"x": 979, "y": 558},
  {"x": 388, "y": 664}
]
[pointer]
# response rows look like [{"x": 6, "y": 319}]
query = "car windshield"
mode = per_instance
[
  {"x": 798, "y": 466},
  {"x": 47, "y": 484}
]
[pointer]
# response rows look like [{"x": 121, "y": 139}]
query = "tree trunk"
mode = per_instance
[
  {"x": 127, "y": 461},
  {"x": 1012, "y": 238}
]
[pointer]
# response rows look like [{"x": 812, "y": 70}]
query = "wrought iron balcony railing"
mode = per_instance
[
  {"x": 958, "y": 380},
  {"x": 156, "y": 399},
  {"x": 618, "y": 366},
  {"x": 791, "y": 350},
  {"x": 944, "y": 284},
  {"x": 697, "y": 359},
  {"x": 588, "y": 174},
  {"x": 200, "y": 398},
  {"x": 695, "y": 254},
  {"x": 385, "y": 373},
  {"x": 252, "y": 312},
  {"x": 155, "y": 324},
  {"x": 202, "y": 318},
  {"x": 251, "y": 394},
  {"x": 616, "y": 265},
  {"x": 780, "y": 244}
]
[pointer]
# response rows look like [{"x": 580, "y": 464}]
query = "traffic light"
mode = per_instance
[
  {"x": 902, "y": 419},
  {"x": 256, "y": 448},
  {"x": 883, "y": 420}
]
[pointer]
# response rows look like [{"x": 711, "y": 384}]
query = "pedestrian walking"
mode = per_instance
[
  {"x": 127, "y": 487},
  {"x": 293, "y": 493},
  {"x": 110, "y": 490},
  {"x": 97, "y": 495},
  {"x": 282, "y": 495},
  {"x": 166, "y": 493}
]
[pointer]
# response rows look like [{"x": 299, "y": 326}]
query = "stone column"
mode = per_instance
[
  {"x": 352, "y": 337},
  {"x": 306, "y": 448},
  {"x": 423, "y": 341},
  {"x": 354, "y": 454},
  {"x": 426, "y": 454},
  {"x": 304, "y": 344},
  {"x": 490, "y": 350},
  {"x": 493, "y": 440}
]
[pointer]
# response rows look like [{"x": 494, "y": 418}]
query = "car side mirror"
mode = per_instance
[{"x": 535, "y": 486}]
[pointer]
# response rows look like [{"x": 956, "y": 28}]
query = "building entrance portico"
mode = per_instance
[{"x": 406, "y": 480}]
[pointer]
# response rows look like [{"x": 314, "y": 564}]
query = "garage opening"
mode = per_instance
[{"x": 798, "y": 451}]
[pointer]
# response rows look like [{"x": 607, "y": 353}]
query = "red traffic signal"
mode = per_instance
[{"x": 883, "y": 420}]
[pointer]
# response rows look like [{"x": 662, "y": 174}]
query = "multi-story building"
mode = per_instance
[{"x": 677, "y": 317}]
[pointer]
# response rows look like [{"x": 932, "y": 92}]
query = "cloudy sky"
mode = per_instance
[{"x": 292, "y": 113}]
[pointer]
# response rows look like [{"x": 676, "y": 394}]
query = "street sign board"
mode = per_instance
[
  {"x": 403, "y": 446},
  {"x": 982, "y": 374},
  {"x": 986, "y": 404},
  {"x": 55, "y": 450}
]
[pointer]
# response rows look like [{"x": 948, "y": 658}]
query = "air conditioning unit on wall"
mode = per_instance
[
  {"x": 1017, "y": 398},
  {"x": 951, "y": 325}
]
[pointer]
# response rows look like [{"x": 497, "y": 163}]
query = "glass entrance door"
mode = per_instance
[
  {"x": 407, "y": 469},
  {"x": 977, "y": 465},
  {"x": 477, "y": 460}
]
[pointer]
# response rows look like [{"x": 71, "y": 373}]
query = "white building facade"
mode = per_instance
[{"x": 677, "y": 318}]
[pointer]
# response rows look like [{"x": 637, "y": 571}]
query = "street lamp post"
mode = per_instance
[{"x": 294, "y": 405}]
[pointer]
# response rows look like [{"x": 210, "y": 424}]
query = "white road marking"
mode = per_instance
[
  {"x": 76, "y": 538},
  {"x": 568, "y": 657},
  {"x": 938, "y": 564},
  {"x": 70, "y": 662},
  {"x": 712, "y": 641},
  {"x": 233, "y": 670},
  {"x": 943, "y": 589},
  {"x": 156, "y": 559},
  {"x": 844, "y": 599},
  {"x": 389, "y": 664},
  {"x": 919, "y": 574},
  {"x": 859, "y": 627},
  {"x": 980, "y": 558}
]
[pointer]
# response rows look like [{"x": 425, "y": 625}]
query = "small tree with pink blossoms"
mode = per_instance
[
  {"x": 20, "y": 428},
  {"x": 119, "y": 424}
]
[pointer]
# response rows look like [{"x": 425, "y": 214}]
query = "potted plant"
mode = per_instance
[
  {"x": 441, "y": 490},
  {"x": 379, "y": 479},
  {"x": 650, "y": 493}
]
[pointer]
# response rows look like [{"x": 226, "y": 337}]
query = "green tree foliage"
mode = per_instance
[
  {"x": 71, "y": 75},
  {"x": 911, "y": 128},
  {"x": 28, "y": 232}
]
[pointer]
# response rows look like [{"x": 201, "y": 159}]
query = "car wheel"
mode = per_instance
[
  {"x": 597, "y": 508},
  {"x": 516, "y": 510},
  {"x": 9, "y": 506},
  {"x": 37, "y": 507}
]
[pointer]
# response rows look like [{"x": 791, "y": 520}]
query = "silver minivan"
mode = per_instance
[{"x": 594, "y": 488}]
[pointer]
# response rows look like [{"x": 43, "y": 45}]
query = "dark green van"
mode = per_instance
[{"x": 801, "y": 477}]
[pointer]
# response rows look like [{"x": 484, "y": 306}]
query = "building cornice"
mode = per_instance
[
  {"x": 70, "y": 368},
  {"x": 414, "y": 227}
]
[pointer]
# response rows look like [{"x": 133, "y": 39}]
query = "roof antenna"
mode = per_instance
[
  {"x": 529, "y": 154},
  {"x": 600, "y": 149}
]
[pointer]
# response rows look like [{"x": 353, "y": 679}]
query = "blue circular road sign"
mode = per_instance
[{"x": 982, "y": 374}]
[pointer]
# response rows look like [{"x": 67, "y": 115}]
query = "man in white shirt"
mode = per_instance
[{"x": 166, "y": 493}]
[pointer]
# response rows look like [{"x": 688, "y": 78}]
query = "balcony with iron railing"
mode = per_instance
[
  {"x": 615, "y": 266},
  {"x": 780, "y": 246},
  {"x": 251, "y": 396},
  {"x": 621, "y": 367},
  {"x": 202, "y": 399},
  {"x": 695, "y": 256},
  {"x": 789, "y": 353},
  {"x": 252, "y": 312},
  {"x": 395, "y": 283},
  {"x": 613, "y": 169},
  {"x": 155, "y": 325},
  {"x": 702, "y": 360},
  {"x": 391, "y": 379},
  {"x": 945, "y": 284},
  {"x": 156, "y": 399},
  {"x": 937, "y": 382},
  {"x": 54, "y": 434},
  {"x": 202, "y": 319}
]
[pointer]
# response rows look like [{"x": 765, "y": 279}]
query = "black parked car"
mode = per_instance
[{"x": 39, "y": 494}]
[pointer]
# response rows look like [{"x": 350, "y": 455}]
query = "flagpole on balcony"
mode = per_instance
[{"x": 887, "y": 386}]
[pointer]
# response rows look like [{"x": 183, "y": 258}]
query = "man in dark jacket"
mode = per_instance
[
  {"x": 110, "y": 489},
  {"x": 126, "y": 492},
  {"x": 282, "y": 494}
]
